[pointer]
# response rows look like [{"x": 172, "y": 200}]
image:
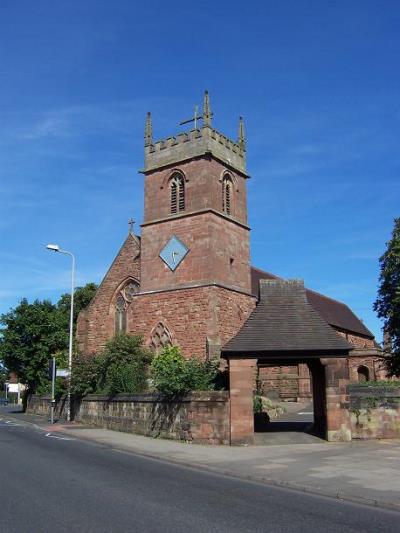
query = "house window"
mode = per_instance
[
  {"x": 227, "y": 188},
  {"x": 177, "y": 185},
  {"x": 363, "y": 374},
  {"x": 120, "y": 314}
]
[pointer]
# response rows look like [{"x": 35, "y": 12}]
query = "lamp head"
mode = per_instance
[{"x": 53, "y": 247}]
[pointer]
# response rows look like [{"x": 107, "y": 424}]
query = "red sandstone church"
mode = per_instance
[{"x": 188, "y": 280}]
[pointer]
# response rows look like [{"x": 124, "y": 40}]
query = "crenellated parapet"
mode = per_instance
[{"x": 194, "y": 143}]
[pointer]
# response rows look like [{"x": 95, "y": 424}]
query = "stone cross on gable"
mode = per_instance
[{"x": 131, "y": 224}]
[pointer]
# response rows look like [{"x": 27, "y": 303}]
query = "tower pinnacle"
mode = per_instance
[
  {"x": 148, "y": 131},
  {"x": 241, "y": 138},
  {"x": 206, "y": 110}
]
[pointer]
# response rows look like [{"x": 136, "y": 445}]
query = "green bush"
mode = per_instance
[
  {"x": 174, "y": 375},
  {"x": 128, "y": 377},
  {"x": 60, "y": 388},
  {"x": 60, "y": 385},
  {"x": 85, "y": 374},
  {"x": 123, "y": 365}
]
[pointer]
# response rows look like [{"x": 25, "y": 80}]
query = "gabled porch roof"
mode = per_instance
[{"x": 285, "y": 325}]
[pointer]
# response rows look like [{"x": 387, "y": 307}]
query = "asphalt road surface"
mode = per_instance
[{"x": 49, "y": 484}]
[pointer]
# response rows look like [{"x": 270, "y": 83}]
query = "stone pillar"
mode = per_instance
[
  {"x": 337, "y": 400},
  {"x": 319, "y": 397},
  {"x": 241, "y": 379}
]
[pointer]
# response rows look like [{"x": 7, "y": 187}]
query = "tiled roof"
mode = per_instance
[
  {"x": 285, "y": 322},
  {"x": 336, "y": 313}
]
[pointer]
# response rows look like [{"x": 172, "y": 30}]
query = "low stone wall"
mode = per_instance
[
  {"x": 375, "y": 412},
  {"x": 40, "y": 405},
  {"x": 199, "y": 417}
]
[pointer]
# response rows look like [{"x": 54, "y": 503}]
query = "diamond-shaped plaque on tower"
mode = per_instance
[{"x": 173, "y": 252}]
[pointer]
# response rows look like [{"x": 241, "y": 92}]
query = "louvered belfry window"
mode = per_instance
[
  {"x": 177, "y": 194},
  {"x": 227, "y": 194}
]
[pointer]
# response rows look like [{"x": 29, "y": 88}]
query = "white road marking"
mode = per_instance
[
  {"x": 306, "y": 413},
  {"x": 11, "y": 423},
  {"x": 55, "y": 437}
]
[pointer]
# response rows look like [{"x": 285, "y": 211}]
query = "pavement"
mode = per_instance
[{"x": 366, "y": 472}]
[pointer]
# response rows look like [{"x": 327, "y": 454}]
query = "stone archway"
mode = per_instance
[
  {"x": 283, "y": 330},
  {"x": 330, "y": 377},
  {"x": 362, "y": 374}
]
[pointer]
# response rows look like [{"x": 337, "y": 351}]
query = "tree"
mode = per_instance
[
  {"x": 31, "y": 335},
  {"x": 387, "y": 304},
  {"x": 82, "y": 298},
  {"x": 3, "y": 378}
]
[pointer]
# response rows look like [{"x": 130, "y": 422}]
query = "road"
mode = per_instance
[{"x": 57, "y": 485}]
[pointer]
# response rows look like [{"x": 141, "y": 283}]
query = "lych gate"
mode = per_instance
[{"x": 284, "y": 329}]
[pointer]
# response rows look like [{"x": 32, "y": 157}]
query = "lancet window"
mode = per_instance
[
  {"x": 120, "y": 314},
  {"x": 177, "y": 187},
  {"x": 122, "y": 301},
  {"x": 227, "y": 188}
]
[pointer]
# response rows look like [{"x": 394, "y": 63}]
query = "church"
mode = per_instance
[{"x": 187, "y": 279}]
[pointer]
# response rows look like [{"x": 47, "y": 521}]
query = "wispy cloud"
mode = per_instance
[
  {"x": 76, "y": 120},
  {"x": 42, "y": 282}
]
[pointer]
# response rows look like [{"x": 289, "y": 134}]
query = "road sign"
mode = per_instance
[{"x": 62, "y": 373}]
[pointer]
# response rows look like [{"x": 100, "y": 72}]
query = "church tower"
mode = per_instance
[
  {"x": 186, "y": 281},
  {"x": 195, "y": 231}
]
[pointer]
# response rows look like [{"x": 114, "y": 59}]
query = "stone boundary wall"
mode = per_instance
[
  {"x": 375, "y": 412},
  {"x": 199, "y": 417}
]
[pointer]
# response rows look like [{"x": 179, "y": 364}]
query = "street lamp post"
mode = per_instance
[{"x": 56, "y": 248}]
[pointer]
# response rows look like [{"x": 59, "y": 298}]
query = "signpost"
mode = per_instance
[{"x": 52, "y": 375}]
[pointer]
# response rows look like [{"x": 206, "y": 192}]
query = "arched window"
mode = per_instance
[
  {"x": 130, "y": 289},
  {"x": 123, "y": 300},
  {"x": 227, "y": 188},
  {"x": 120, "y": 314},
  {"x": 177, "y": 185},
  {"x": 362, "y": 374},
  {"x": 160, "y": 337}
]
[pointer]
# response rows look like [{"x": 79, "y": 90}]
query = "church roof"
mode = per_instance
[
  {"x": 284, "y": 322},
  {"x": 336, "y": 313}
]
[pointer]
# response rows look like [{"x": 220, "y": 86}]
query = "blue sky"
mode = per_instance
[{"x": 318, "y": 86}]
